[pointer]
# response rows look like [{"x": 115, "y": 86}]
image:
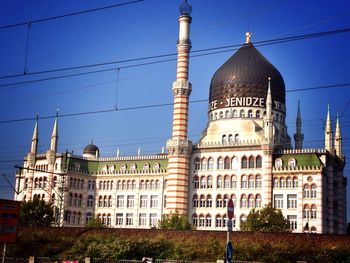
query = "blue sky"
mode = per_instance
[{"x": 150, "y": 28}]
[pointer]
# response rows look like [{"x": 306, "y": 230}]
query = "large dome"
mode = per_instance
[
  {"x": 245, "y": 74},
  {"x": 90, "y": 149}
]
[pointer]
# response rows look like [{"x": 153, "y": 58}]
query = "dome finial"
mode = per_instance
[
  {"x": 185, "y": 8},
  {"x": 248, "y": 37}
]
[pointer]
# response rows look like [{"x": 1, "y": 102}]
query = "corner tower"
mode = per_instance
[
  {"x": 179, "y": 147},
  {"x": 298, "y": 136}
]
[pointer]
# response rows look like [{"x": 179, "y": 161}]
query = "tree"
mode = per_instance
[
  {"x": 267, "y": 219},
  {"x": 96, "y": 223},
  {"x": 174, "y": 221},
  {"x": 36, "y": 213}
]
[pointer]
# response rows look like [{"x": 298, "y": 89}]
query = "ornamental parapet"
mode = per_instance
[
  {"x": 119, "y": 172},
  {"x": 296, "y": 151},
  {"x": 213, "y": 144},
  {"x": 179, "y": 146},
  {"x": 297, "y": 169},
  {"x": 122, "y": 158}
]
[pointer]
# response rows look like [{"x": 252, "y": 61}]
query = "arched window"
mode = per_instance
[
  {"x": 210, "y": 164},
  {"x": 230, "y": 138},
  {"x": 202, "y": 201},
  {"x": 258, "y": 181},
  {"x": 201, "y": 221},
  {"x": 313, "y": 230},
  {"x": 218, "y": 221},
  {"x": 142, "y": 184},
  {"x": 219, "y": 182},
  {"x": 258, "y": 201},
  {"x": 250, "y": 113},
  {"x": 251, "y": 181},
  {"x": 195, "y": 201},
  {"x": 289, "y": 182},
  {"x": 226, "y": 197},
  {"x": 306, "y": 191},
  {"x": 100, "y": 201},
  {"x": 157, "y": 184},
  {"x": 105, "y": 201},
  {"x": 251, "y": 162},
  {"x": 251, "y": 201},
  {"x": 244, "y": 181},
  {"x": 241, "y": 113},
  {"x": 243, "y": 201},
  {"x": 195, "y": 182},
  {"x": 226, "y": 181},
  {"x": 220, "y": 164},
  {"x": 210, "y": 181},
  {"x": 88, "y": 217},
  {"x": 194, "y": 220},
  {"x": 234, "y": 163},
  {"x": 258, "y": 162},
  {"x": 244, "y": 162},
  {"x": 292, "y": 162},
  {"x": 236, "y": 137},
  {"x": 306, "y": 211},
  {"x": 110, "y": 201},
  {"x": 223, "y": 140},
  {"x": 203, "y": 182},
  {"x": 258, "y": 114},
  {"x": 219, "y": 201},
  {"x": 208, "y": 220},
  {"x": 295, "y": 182},
  {"x": 209, "y": 201},
  {"x": 313, "y": 191},
  {"x": 197, "y": 164},
  {"x": 227, "y": 163},
  {"x": 234, "y": 113},
  {"x": 204, "y": 164},
  {"x": 276, "y": 183},
  {"x": 233, "y": 197},
  {"x": 278, "y": 163},
  {"x": 90, "y": 201},
  {"x": 282, "y": 183},
  {"x": 233, "y": 181}
]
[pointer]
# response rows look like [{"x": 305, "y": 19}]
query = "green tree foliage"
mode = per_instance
[
  {"x": 267, "y": 219},
  {"x": 95, "y": 223},
  {"x": 36, "y": 213},
  {"x": 174, "y": 221}
]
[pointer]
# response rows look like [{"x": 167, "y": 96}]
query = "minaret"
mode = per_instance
[
  {"x": 31, "y": 159},
  {"x": 338, "y": 139},
  {"x": 267, "y": 147},
  {"x": 298, "y": 136},
  {"x": 51, "y": 157},
  {"x": 328, "y": 133},
  {"x": 179, "y": 147}
]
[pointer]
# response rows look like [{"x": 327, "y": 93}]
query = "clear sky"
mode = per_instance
[{"x": 150, "y": 28}]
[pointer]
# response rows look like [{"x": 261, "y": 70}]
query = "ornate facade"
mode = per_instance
[{"x": 244, "y": 153}]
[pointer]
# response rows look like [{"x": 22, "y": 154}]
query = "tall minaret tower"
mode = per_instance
[
  {"x": 298, "y": 136},
  {"x": 328, "y": 133},
  {"x": 338, "y": 139},
  {"x": 267, "y": 147},
  {"x": 179, "y": 147},
  {"x": 31, "y": 159},
  {"x": 51, "y": 157}
]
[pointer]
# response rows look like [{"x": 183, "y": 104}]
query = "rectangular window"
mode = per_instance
[
  {"x": 153, "y": 221},
  {"x": 143, "y": 219},
  {"x": 278, "y": 201},
  {"x": 130, "y": 201},
  {"x": 120, "y": 201},
  {"x": 208, "y": 222},
  {"x": 143, "y": 201},
  {"x": 292, "y": 221},
  {"x": 218, "y": 222},
  {"x": 154, "y": 201},
  {"x": 129, "y": 219},
  {"x": 119, "y": 219},
  {"x": 291, "y": 201}
]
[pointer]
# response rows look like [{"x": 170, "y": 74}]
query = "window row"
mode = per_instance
[
  {"x": 291, "y": 162},
  {"x": 220, "y": 220},
  {"x": 104, "y": 201},
  {"x": 228, "y": 182},
  {"x": 309, "y": 212},
  {"x": 285, "y": 182},
  {"x": 111, "y": 168},
  {"x": 244, "y": 114},
  {"x": 144, "y": 219},
  {"x": 72, "y": 217},
  {"x": 105, "y": 185},
  {"x": 76, "y": 183},
  {"x": 145, "y": 201},
  {"x": 221, "y": 201},
  {"x": 223, "y": 163},
  {"x": 40, "y": 183},
  {"x": 75, "y": 199},
  {"x": 279, "y": 202},
  {"x": 38, "y": 196},
  {"x": 310, "y": 191},
  {"x": 91, "y": 184}
]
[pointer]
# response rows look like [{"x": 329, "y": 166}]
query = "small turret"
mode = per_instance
[
  {"x": 54, "y": 136},
  {"x": 338, "y": 139},
  {"x": 268, "y": 119},
  {"x": 298, "y": 136},
  {"x": 328, "y": 133},
  {"x": 35, "y": 138}
]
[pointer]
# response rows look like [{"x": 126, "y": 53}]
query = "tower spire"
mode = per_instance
[
  {"x": 328, "y": 133},
  {"x": 179, "y": 147},
  {"x": 298, "y": 136},
  {"x": 268, "y": 119},
  {"x": 35, "y": 138},
  {"x": 338, "y": 139},
  {"x": 54, "y": 136}
]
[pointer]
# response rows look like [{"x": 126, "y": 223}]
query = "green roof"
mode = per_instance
[{"x": 302, "y": 159}]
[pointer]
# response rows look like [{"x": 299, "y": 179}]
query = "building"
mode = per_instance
[{"x": 244, "y": 153}]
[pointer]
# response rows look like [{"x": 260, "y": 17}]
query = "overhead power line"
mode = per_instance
[
  {"x": 147, "y": 106},
  {"x": 209, "y": 51},
  {"x": 69, "y": 14}
]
